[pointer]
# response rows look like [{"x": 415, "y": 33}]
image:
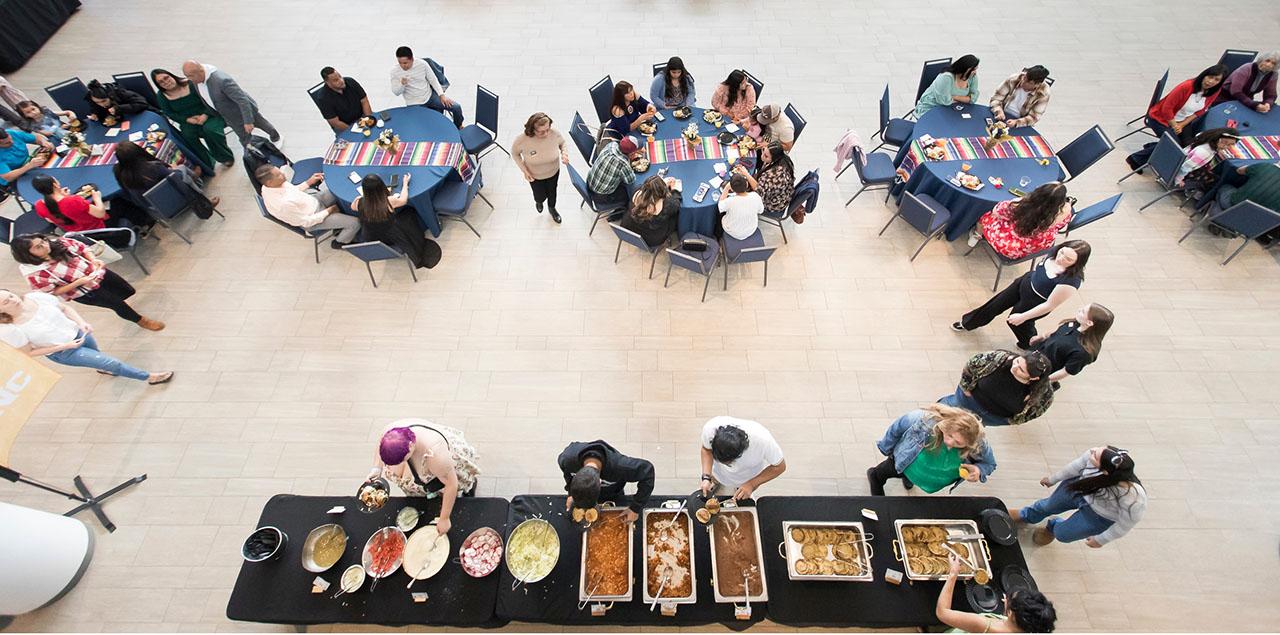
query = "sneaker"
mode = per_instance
[
  {"x": 974, "y": 237},
  {"x": 877, "y": 489},
  {"x": 538, "y": 204},
  {"x": 555, "y": 216},
  {"x": 335, "y": 244},
  {"x": 958, "y": 327}
]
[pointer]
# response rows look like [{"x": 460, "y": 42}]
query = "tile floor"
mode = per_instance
[{"x": 532, "y": 337}]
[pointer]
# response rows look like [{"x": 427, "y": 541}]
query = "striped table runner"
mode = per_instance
[
  {"x": 970, "y": 148},
  {"x": 1255, "y": 148},
  {"x": 409, "y": 153},
  {"x": 671, "y": 150},
  {"x": 167, "y": 152}
]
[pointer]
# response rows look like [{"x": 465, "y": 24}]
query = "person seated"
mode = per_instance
[
  {"x": 1021, "y": 227},
  {"x": 109, "y": 101},
  {"x": 777, "y": 127},
  {"x": 37, "y": 118},
  {"x": 1026, "y": 611},
  {"x": 1199, "y": 171},
  {"x": 611, "y": 173},
  {"x": 776, "y": 178},
  {"x": 137, "y": 171},
  {"x": 629, "y": 110},
  {"x": 1004, "y": 388},
  {"x": 403, "y": 230},
  {"x": 956, "y": 85},
  {"x": 740, "y": 205},
  {"x": 74, "y": 213},
  {"x": 309, "y": 206},
  {"x": 1178, "y": 111},
  {"x": 1245, "y": 83},
  {"x": 1259, "y": 183},
  {"x": 673, "y": 87},
  {"x": 342, "y": 100},
  {"x": 595, "y": 472},
  {"x": 735, "y": 98},
  {"x": 654, "y": 210},
  {"x": 1022, "y": 99},
  {"x": 14, "y": 158},
  {"x": 417, "y": 83},
  {"x": 738, "y": 456}
]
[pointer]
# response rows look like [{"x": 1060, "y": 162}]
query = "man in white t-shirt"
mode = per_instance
[
  {"x": 740, "y": 206},
  {"x": 738, "y": 455}
]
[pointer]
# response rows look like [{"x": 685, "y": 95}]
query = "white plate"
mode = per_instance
[{"x": 426, "y": 553}]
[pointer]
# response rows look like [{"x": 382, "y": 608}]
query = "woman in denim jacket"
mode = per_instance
[{"x": 933, "y": 447}]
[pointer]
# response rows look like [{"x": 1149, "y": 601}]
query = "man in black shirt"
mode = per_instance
[
  {"x": 342, "y": 100},
  {"x": 595, "y": 471}
]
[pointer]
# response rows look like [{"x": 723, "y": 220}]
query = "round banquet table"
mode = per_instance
[
  {"x": 933, "y": 177},
  {"x": 411, "y": 123},
  {"x": 1249, "y": 123},
  {"x": 101, "y": 175},
  {"x": 694, "y": 216}
]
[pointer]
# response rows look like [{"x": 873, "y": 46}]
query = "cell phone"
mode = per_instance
[
  {"x": 701, "y": 193},
  {"x": 355, "y": 178},
  {"x": 395, "y": 181},
  {"x": 658, "y": 115},
  {"x": 386, "y": 116}
]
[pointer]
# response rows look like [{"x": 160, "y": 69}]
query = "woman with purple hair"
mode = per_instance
[{"x": 427, "y": 459}]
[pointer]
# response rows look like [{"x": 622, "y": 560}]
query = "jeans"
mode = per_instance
[
  {"x": 454, "y": 111},
  {"x": 1019, "y": 297},
  {"x": 111, "y": 294},
  {"x": 1082, "y": 524},
  {"x": 961, "y": 400},
  {"x": 88, "y": 356}
]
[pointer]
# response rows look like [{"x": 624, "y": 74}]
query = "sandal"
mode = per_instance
[{"x": 164, "y": 378}]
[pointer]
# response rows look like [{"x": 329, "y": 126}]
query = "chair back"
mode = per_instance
[
  {"x": 437, "y": 69},
  {"x": 658, "y": 68},
  {"x": 884, "y": 109},
  {"x": 1248, "y": 219},
  {"x": 70, "y": 95},
  {"x": 262, "y": 209},
  {"x": 756, "y": 84},
  {"x": 930, "y": 72},
  {"x": 168, "y": 198},
  {"x": 138, "y": 83},
  {"x": 1049, "y": 80},
  {"x": 487, "y": 110},
  {"x": 580, "y": 184},
  {"x": 602, "y": 97},
  {"x": 6, "y": 230},
  {"x": 373, "y": 251},
  {"x": 1166, "y": 159},
  {"x": 797, "y": 120},
  {"x": 1159, "y": 90},
  {"x": 858, "y": 159},
  {"x": 1084, "y": 151},
  {"x": 314, "y": 92},
  {"x": 1235, "y": 58},
  {"x": 582, "y": 138},
  {"x": 920, "y": 216},
  {"x": 1095, "y": 212},
  {"x": 631, "y": 238}
]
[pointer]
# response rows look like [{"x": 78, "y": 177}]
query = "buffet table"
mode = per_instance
[
  {"x": 876, "y": 604},
  {"x": 278, "y": 591}
]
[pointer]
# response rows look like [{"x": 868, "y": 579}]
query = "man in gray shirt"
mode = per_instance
[{"x": 222, "y": 92}]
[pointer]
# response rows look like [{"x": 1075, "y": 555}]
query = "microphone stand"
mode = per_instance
[{"x": 86, "y": 498}]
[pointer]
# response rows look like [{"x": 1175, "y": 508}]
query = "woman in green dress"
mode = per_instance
[{"x": 197, "y": 121}]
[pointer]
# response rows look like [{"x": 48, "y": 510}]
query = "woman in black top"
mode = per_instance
[
  {"x": 109, "y": 101},
  {"x": 1003, "y": 388},
  {"x": 1034, "y": 294},
  {"x": 655, "y": 207},
  {"x": 1077, "y": 341},
  {"x": 137, "y": 171},
  {"x": 403, "y": 230}
]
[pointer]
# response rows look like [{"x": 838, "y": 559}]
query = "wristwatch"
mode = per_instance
[{"x": 706, "y": 477}]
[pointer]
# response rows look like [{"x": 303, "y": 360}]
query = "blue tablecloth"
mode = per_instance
[
  {"x": 694, "y": 216},
  {"x": 967, "y": 206},
  {"x": 411, "y": 123},
  {"x": 1249, "y": 123},
  {"x": 101, "y": 175}
]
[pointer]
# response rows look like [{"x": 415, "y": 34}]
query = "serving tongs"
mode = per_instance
[
  {"x": 599, "y": 578},
  {"x": 979, "y": 575}
]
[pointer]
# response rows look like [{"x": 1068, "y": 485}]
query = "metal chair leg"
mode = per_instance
[
  {"x": 891, "y": 219},
  {"x": 855, "y": 195},
  {"x": 1158, "y": 198},
  {"x": 371, "y": 278},
  {"x": 766, "y": 273},
  {"x": 707, "y": 284},
  {"x": 668, "y": 278},
  {"x": 138, "y": 260},
  {"x": 617, "y": 252},
  {"x": 726, "y": 274},
  {"x": 921, "y": 247},
  {"x": 999, "y": 272},
  {"x": 594, "y": 223},
  {"x": 653, "y": 263},
  {"x": 315, "y": 242},
  {"x": 1243, "y": 244},
  {"x": 1194, "y": 225},
  {"x": 180, "y": 235},
  {"x": 412, "y": 273},
  {"x": 504, "y": 150},
  {"x": 1144, "y": 166},
  {"x": 1143, "y": 130},
  {"x": 486, "y": 201},
  {"x": 1138, "y": 118},
  {"x": 844, "y": 169},
  {"x": 783, "y": 230}
]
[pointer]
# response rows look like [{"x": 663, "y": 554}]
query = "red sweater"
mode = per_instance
[{"x": 1166, "y": 108}]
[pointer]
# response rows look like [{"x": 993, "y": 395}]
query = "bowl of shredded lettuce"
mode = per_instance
[{"x": 532, "y": 550}]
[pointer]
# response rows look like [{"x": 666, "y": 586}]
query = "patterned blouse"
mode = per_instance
[
  {"x": 777, "y": 185},
  {"x": 998, "y": 229},
  {"x": 55, "y": 273}
]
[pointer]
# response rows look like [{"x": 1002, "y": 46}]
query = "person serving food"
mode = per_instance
[{"x": 428, "y": 460}]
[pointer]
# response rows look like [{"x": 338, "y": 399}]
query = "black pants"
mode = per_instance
[
  {"x": 617, "y": 197},
  {"x": 111, "y": 294},
  {"x": 545, "y": 189},
  {"x": 126, "y": 213},
  {"x": 880, "y": 474},
  {"x": 1017, "y": 296}
]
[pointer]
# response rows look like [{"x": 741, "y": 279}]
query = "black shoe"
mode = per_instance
[
  {"x": 1055, "y": 385},
  {"x": 958, "y": 327},
  {"x": 539, "y": 205},
  {"x": 228, "y": 163},
  {"x": 906, "y": 482},
  {"x": 555, "y": 216},
  {"x": 877, "y": 489},
  {"x": 335, "y": 244}
]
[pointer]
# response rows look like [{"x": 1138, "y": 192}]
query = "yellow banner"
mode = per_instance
[{"x": 24, "y": 382}]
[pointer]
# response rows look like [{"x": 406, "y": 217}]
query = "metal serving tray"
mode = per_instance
[
  {"x": 790, "y": 550},
  {"x": 754, "y": 520},
  {"x": 682, "y": 517},
  {"x": 584, "y": 584},
  {"x": 978, "y": 547}
]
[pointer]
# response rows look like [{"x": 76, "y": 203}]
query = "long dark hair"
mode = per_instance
[
  {"x": 1035, "y": 212},
  {"x": 778, "y": 158},
  {"x": 677, "y": 64},
  {"x": 1116, "y": 466},
  {"x": 620, "y": 91},
  {"x": 375, "y": 203},
  {"x": 1217, "y": 70},
  {"x": 963, "y": 66},
  {"x": 734, "y": 82},
  {"x": 182, "y": 81},
  {"x": 1213, "y": 135},
  {"x": 45, "y": 185},
  {"x": 21, "y": 249},
  {"x": 132, "y": 161},
  {"x": 1082, "y": 249},
  {"x": 1091, "y": 338}
]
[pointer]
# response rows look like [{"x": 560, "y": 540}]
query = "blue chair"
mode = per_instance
[
  {"x": 635, "y": 240},
  {"x": 1166, "y": 145},
  {"x": 659, "y": 67},
  {"x": 1093, "y": 213},
  {"x": 797, "y": 199},
  {"x": 314, "y": 93},
  {"x": 169, "y": 199},
  {"x": 583, "y": 138},
  {"x": 437, "y": 69},
  {"x": 797, "y": 121},
  {"x": 1084, "y": 151},
  {"x": 1235, "y": 58},
  {"x": 452, "y": 200},
  {"x": 315, "y": 239},
  {"x": 928, "y": 73},
  {"x": 702, "y": 263},
  {"x": 876, "y": 174},
  {"x": 1155, "y": 97},
  {"x": 92, "y": 236},
  {"x": 756, "y": 84},
  {"x": 601, "y": 210},
  {"x": 1165, "y": 162},
  {"x": 70, "y": 95},
  {"x": 373, "y": 251},
  {"x": 302, "y": 170},
  {"x": 1247, "y": 219},
  {"x": 752, "y": 249},
  {"x": 481, "y": 137},
  {"x": 893, "y": 132},
  {"x": 602, "y": 98},
  {"x": 138, "y": 83},
  {"x": 6, "y": 230},
  {"x": 926, "y": 215}
]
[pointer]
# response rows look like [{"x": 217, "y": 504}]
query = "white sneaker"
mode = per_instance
[{"x": 974, "y": 236}]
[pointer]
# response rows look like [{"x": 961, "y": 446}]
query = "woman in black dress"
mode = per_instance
[
  {"x": 655, "y": 208},
  {"x": 1077, "y": 341},
  {"x": 381, "y": 221}
]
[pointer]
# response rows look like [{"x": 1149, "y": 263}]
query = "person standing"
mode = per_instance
[
  {"x": 934, "y": 447},
  {"x": 1077, "y": 341},
  {"x": 738, "y": 456},
  {"x": 64, "y": 267},
  {"x": 1003, "y": 388},
  {"x": 594, "y": 471},
  {"x": 385, "y": 218},
  {"x": 309, "y": 206},
  {"x": 1026, "y": 610},
  {"x": 198, "y": 123},
  {"x": 414, "y": 80},
  {"x": 217, "y": 88},
  {"x": 342, "y": 100},
  {"x": 1034, "y": 294},
  {"x": 673, "y": 87},
  {"x": 427, "y": 459},
  {"x": 957, "y": 85},
  {"x": 539, "y": 150},
  {"x": 1100, "y": 485},
  {"x": 1022, "y": 99}
]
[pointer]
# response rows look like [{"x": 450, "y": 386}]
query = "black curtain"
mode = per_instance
[{"x": 25, "y": 25}]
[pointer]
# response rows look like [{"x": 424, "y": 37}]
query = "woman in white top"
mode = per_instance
[
  {"x": 1203, "y": 155},
  {"x": 740, "y": 205},
  {"x": 39, "y": 324}
]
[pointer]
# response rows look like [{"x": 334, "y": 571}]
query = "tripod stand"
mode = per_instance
[{"x": 86, "y": 498}]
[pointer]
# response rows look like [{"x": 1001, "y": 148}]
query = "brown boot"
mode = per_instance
[
  {"x": 1042, "y": 536},
  {"x": 150, "y": 324}
]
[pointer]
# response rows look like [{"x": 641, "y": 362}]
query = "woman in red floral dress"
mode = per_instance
[{"x": 1022, "y": 227}]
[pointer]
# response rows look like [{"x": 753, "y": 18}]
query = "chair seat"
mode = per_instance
[
  {"x": 707, "y": 258},
  {"x": 451, "y": 198},
  {"x": 879, "y": 168},
  {"x": 733, "y": 246},
  {"x": 898, "y": 132},
  {"x": 475, "y": 138},
  {"x": 942, "y": 215},
  {"x": 1005, "y": 260},
  {"x": 302, "y": 170}
]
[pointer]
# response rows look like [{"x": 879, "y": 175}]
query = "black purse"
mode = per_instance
[{"x": 693, "y": 245}]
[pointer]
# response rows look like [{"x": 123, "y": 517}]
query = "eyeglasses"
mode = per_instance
[{"x": 1071, "y": 200}]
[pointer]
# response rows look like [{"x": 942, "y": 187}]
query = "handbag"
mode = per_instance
[
  {"x": 797, "y": 215},
  {"x": 102, "y": 251},
  {"x": 693, "y": 245}
]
